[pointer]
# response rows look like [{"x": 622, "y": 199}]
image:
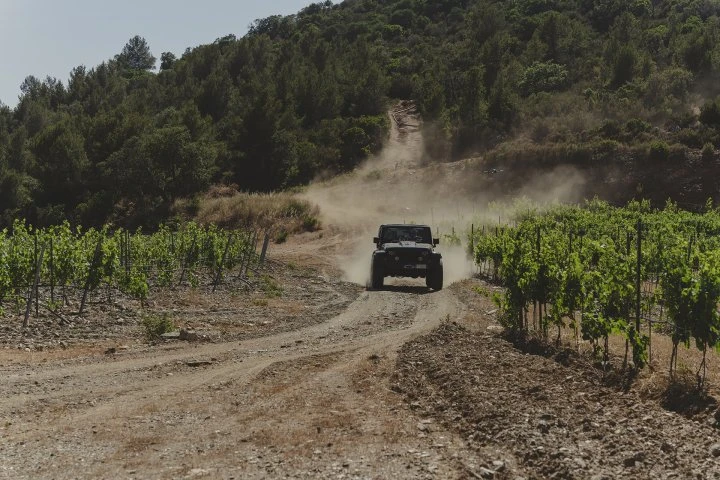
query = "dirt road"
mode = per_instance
[{"x": 313, "y": 402}]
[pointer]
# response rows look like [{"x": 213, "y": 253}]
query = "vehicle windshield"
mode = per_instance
[{"x": 406, "y": 234}]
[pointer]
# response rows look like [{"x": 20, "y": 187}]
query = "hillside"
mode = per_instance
[
  {"x": 624, "y": 92},
  {"x": 291, "y": 369}
]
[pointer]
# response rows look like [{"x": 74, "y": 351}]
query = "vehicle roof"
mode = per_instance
[{"x": 402, "y": 225}]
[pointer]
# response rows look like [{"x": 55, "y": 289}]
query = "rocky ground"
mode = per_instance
[{"x": 529, "y": 416}]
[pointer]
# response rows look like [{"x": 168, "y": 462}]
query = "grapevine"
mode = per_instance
[
  {"x": 604, "y": 270},
  {"x": 81, "y": 262}
]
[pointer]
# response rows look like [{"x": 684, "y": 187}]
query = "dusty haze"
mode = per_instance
[{"x": 396, "y": 187}]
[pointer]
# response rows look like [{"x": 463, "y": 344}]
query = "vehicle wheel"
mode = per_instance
[
  {"x": 434, "y": 279},
  {"x": 377, "y": 276}
]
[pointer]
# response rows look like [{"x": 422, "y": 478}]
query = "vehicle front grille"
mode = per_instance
[{"x": 408, "y": 255}]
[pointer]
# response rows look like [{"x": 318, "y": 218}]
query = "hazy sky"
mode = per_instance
[{"x": 51, "y": 37}]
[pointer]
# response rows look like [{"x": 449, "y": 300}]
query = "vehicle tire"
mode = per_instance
[
  {"x": 434, "y": 279},
  {"x": 377, "y": 275}
]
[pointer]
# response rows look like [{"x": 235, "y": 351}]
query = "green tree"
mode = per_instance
[
  {"x": 710, "y": 112},
  {"x": 167, "y": 60},
  {"x": 136, "y": 55},
  {"x": 624, "y": 66},
  {"x": 60, "y": 165}
]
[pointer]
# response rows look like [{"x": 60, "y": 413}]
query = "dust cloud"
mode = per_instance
[{"x": 398, "y": 186}]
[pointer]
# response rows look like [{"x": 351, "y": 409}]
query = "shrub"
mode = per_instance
[
  {"x": 690, "y": 137},
  {"x": 403, "y": 17},
  {"x": 624, "y": 66},
  {"x": 310, "y": 223},
  {"x": 264, "y": 211},
  {"x": 543, "y": 77},
  {"x": 710, "y": 113},
  {"x": 540, "y": 131},
  {"x": 635, "y": 126},
  {"x": 678, "y": 153},
  {"x": 392, "y": 31},
  {"x": 708, "y": 151},
  {"x": 281, "y": 236},
  {"x": 606, "y": 146},
  {"x": 658, "y": 151},
  {"x": 672, "y": 82},
  {"x": 270, "y": 286},
  {"x": 610, "y": 129},
  {"x": 451, "y": 239},
  {"x": 156, "y": 324}
]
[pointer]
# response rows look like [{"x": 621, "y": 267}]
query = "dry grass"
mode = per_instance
[{"x": 281, "y": 212}]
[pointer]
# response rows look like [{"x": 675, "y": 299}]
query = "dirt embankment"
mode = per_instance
[{"x": 531, "y": 416}]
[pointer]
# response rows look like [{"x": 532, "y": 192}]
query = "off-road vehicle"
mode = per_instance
[{"x": 406, "y": 251}]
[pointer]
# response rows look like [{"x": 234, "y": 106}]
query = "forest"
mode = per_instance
[{"x": 306, "y": 95}]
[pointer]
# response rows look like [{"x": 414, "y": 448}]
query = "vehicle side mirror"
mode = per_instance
[
  {"x": 376, "y": 239},
  {"x": 436, "y": 242}
]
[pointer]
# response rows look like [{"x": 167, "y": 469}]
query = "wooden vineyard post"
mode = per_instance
[
  {"x": 188, "y": 258},
  {"x": 246, "y": 254},
  {"x": 581, "y": 242},
  {"x": 242, "y": 253},
  {"x": 472, "y": 239},
  {"x": 123, "y": 260},
  {"x": 628, "y": 244},
  {"x": 638, "y": 272},
  {"x": 266, "y": 242},
  {"x": 536, "y": 316},
  {"x": 93, "y": 266},
  {"x": 33, "y": 289},
  {"x": 35, "y": 285},
  {"x": 52, "y": 273},
  {"x": 253, "y": 246},
  {"x": 638, "y": 275},
  {"x": 222, "y": 261},
  {"x": 127, "y": 253}
]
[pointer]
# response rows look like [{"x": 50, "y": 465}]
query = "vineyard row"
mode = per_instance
[
  {"x": 62, "y": 259},
  {"x": 600, "y": 270}
]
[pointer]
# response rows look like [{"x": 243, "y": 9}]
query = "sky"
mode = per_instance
[{"x": 50, "y": 37}]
